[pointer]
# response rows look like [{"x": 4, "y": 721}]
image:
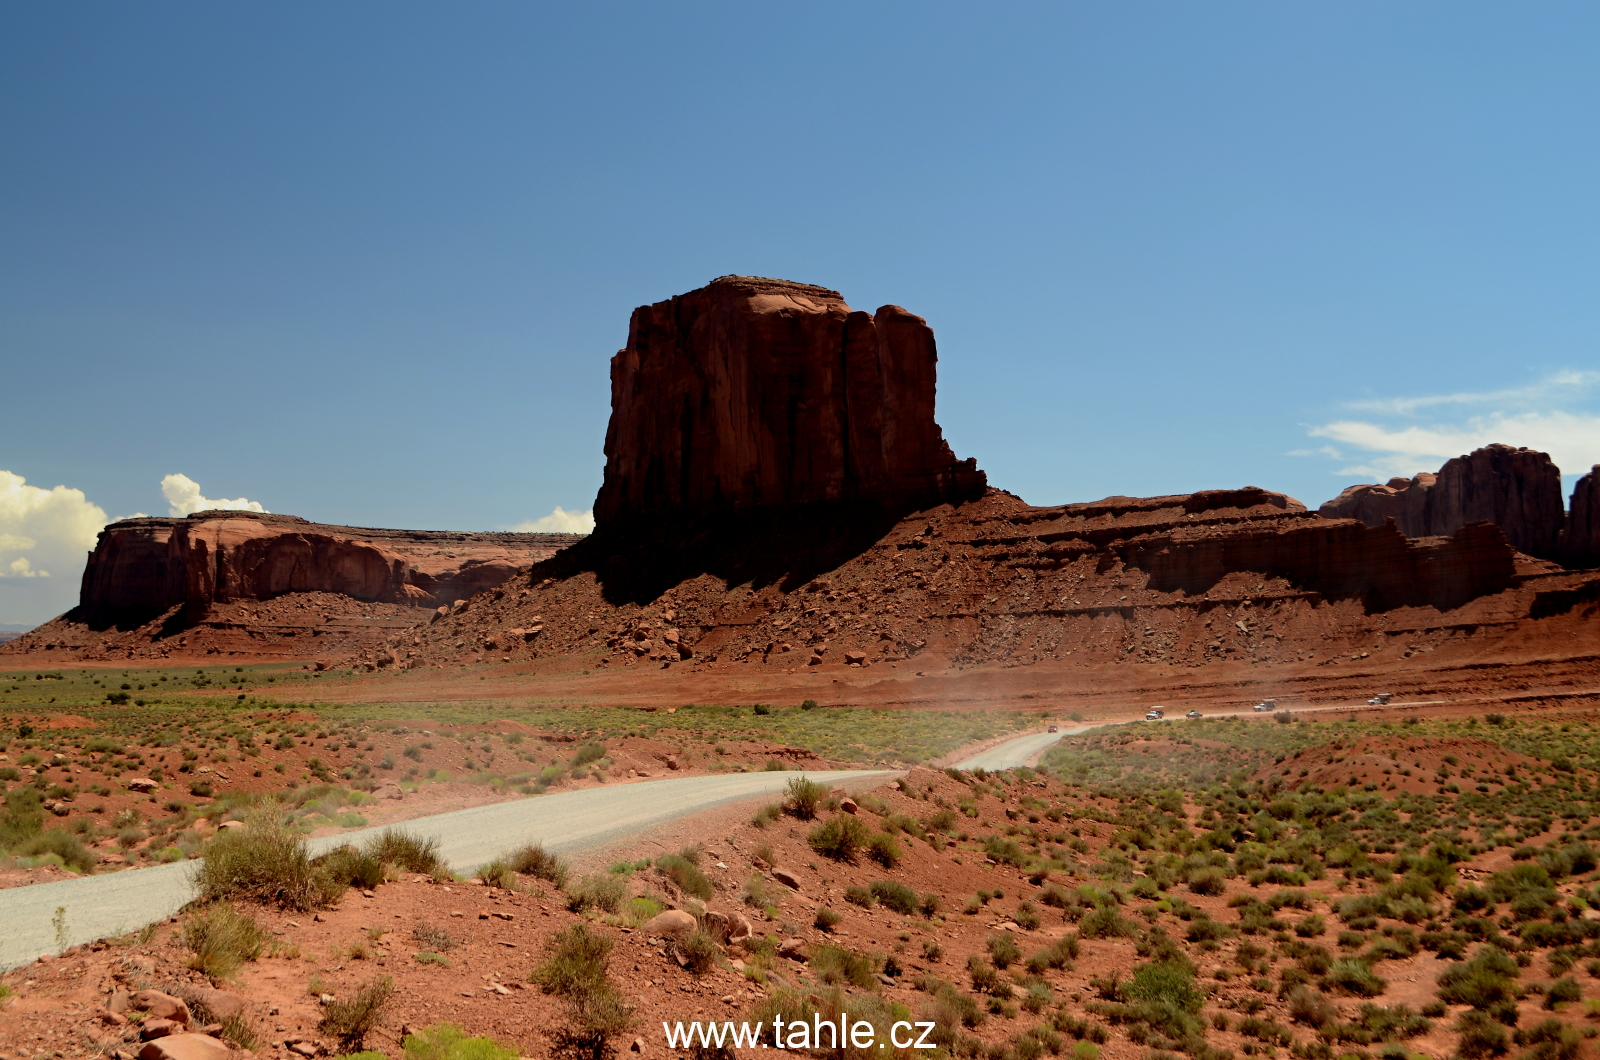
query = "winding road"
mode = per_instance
[
  {"x": 48, "y": 917},
  {"x": 1019, "y": 752}
]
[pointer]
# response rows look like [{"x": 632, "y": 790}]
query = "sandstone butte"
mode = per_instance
[
  {"x": 779, "y": 499},
  {"x": 1519, "y": 490}
]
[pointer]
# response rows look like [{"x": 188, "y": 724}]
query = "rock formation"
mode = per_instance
[
  {"x": 1519, "y": 490},
  {"x": 143, "y": 567},
  {"x": 756, "y": 393},
  {"x": 1580, "y": 538}
]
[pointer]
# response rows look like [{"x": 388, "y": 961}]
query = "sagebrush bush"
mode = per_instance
[
  {"x": 839, "y": 838},
  {"x": 1487, "y": 980},
  {"x": 682, "y": 870},
  {"x": 575, "y": 969},
  {"x": 264, "y": 862},
  {"x": 447, "y": 1041},
  {"x": 407, "y": 851},
  {"x": 895, "y": 895},
  {"x": 1352, "y": 976},
  {"x": 601, "y": 891},
  {"x": 882, "y": 848},
  {"x": 351, "y": 867},
  {"x": 837, "y": 966},
  {"x": 534, "y": 860},
  {"x": 801, "y": 797},
  {"x": 351, "y": 1020},
  {"x": 221, "y": 939}
]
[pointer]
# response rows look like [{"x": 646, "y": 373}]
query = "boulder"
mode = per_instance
[
  {"x": 388, "y": 790},
  {"x": 728, "y": 927},
  {"x": 119, "y": 1001},
  {"x": 787, "y": 878},
  {"x": 158, "y": 1028},
  {"x": 671, "y": 922},
  {"x": 793, "y": 949},
  {"x": 161, "y": 1006},
  {"x": 141, "y": 784},
  {"x": 760, "y": 393},
  {"x": 221, "y": 1004},
  {"x": 848, "y": 805},
  {"x": 185, "y": 1047}
]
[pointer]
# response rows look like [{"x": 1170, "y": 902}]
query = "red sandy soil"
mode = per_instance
[{"x": 503, "y": 936}]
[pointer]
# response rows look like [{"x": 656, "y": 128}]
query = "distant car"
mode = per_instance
[
  {"x": 1154, "y": 715},
  {"x": 1381, "y": 699},
  {"x": 1052, "y": 729},
  {"x": 1194, "y": 714}
]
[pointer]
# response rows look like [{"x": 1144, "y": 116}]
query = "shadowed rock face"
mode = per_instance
[
  {"x": 754, "y": 393},
  {"x": 1519, "y": 490},
  {"x": 1580, "y": 539},
  {"x": 142, "y": 567}
]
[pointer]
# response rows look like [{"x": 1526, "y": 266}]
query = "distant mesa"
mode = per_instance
[
  {"x": 144, "y": 567},
  {"x": 1516, "y": 489}
]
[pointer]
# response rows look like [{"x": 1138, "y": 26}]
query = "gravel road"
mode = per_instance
[
  {"x": 1018, "y": 752},
  {"x": 48, "y": 917}
]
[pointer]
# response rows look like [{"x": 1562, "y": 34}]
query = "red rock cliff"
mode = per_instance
[
  {"x": 1519, "y": 490},
  {"x": 757, "y": 393},
  {"x": 142, "y": 567},
  {"x": 1580, "y": 538}
]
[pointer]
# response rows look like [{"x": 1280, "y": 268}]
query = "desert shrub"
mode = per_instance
[
  {"x": 861, "y": 896},
  {"x": 1563, "y": 989},
  {"x": 699, "y": 951},
  {"x": 895, "y": 895},
  {"x": 351, "y": 867},
  {"x": 837, "y": 966},
  {"x": 801, "y": 797},
  {"x": 839, "y": 838},
  {"x": 767, "y": 814},
  {"x": 756, "y": 893},
  {"x": 1165, "y": 995},
  {"x": 1550, "y": 1040},
  {"x": 1057, "y": 955},
  {"x": 1311, "y": 927},
  {"x": 682, "y": 870},
  {"x": 350, "y": 1021},
  {"x": 1356, "y": 977},
  {"x": 221, "y": 939},
  {"x": 1489, "y": 979},
  {"x": 882, "y": 848},
  {"x": 1208, "y": 881},
  {"x": 1004, "y": 951},
  {"x": 589, "y": 752},
  {"x": 1104, "y": 923},
  {"x": 601, "y": 891},
  {"x": 407, "y": 851},
  {"x": 985, "y": 979},
  {"x": 1309, "y": 1007},
  {"x": 264, "y": 862},
  {"x": 575, "y": 969},
  {"x": 929, "y": 904},
  {"x": 826, "y": 919},
  {"x": 446, "y": 1041},
  {"x": 62, "y": 844},
  {"x": 433, "y": 937},
  {"x": 534, "y": 860}
]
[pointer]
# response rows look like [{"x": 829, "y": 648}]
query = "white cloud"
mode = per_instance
[
  {"x": 1400, "y": 441},
  {"x": 45, "y": 537},
  {"x": 559, "y": 521},
  {"x": 184, "y": 498}
]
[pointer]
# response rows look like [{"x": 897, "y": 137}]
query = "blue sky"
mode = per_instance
[{"x": 366, "y": 263}]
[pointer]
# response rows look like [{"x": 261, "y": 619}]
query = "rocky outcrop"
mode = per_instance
[
  {"x": 1518, "y": 490},
  {"x": 1405, "y": 500},
  {"x": 753, "y": 393},
  {"x": 143, "y": 567},
  {"x": 1580, "y": 538}
]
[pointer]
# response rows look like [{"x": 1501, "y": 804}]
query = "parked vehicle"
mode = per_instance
[
  {"x": 1265, "y": 705},
  {"x": 1380, "y": 700},
  {"x": 1194, "y": 714},
  {"x": 1154, "y": 715},
  {"x": 1052, "y": 729}
]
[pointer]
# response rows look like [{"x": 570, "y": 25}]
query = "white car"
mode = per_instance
[
  {"x": 1380, "y": 700},
  {"x": 1194, "y": 714},
  {"x": 1259, "y": 707},
  {"x": 1154, "y": 715}
]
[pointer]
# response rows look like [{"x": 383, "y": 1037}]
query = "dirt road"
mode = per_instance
[{"x": 48, "y": 917}]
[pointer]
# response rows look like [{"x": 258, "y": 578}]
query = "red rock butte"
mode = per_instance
[{"x": 759, "y": 393}]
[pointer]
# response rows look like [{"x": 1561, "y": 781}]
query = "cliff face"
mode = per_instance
[
  {"x": 1519, "y": 490},
  {"x": 1580, "y": 538},
  {"x": 755, "y": 393},
  {"x": 142, "y": 567}
]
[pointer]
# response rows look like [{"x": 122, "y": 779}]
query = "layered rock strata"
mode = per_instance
[
  {"x": 1580, "y": 538},
  {"x": 757, "y": 393},
  {"x": 1518, "y": 490}
]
